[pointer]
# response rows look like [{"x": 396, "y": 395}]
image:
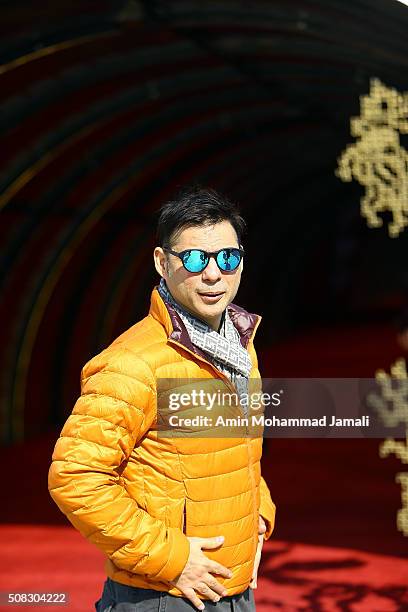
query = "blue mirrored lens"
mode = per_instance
[
  {"x": 228, "y": 259},
  {"x": 195, "y": 261}
]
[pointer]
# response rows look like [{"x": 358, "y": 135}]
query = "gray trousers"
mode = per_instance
[{"x": 117, "y": 596}]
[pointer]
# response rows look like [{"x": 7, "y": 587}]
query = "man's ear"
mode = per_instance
[{"x": 160, "y": 261}]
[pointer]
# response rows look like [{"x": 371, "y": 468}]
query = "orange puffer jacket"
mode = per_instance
[{"x": 136, "y": 495}]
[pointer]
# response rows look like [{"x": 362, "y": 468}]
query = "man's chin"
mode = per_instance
[{"x": 210, "y": 314}]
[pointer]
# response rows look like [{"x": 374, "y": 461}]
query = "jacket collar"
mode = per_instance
[{"x": 245, "y": 322}]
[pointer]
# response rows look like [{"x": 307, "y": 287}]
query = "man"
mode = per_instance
[{"x": 181, "y": 520}]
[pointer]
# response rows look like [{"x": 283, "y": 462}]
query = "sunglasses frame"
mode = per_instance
[{"x": 208, "y": 254}]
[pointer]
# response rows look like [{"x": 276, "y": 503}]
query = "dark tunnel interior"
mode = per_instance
[{"x": 109, "y": 107}]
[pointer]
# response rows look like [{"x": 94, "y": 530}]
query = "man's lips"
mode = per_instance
[{"x": 211, "y": 297}]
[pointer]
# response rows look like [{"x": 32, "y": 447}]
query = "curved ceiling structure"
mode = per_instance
[{"x": 108, "y": 107}]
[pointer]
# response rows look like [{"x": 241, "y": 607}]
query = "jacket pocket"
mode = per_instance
[{"x": 184, "y": 518}]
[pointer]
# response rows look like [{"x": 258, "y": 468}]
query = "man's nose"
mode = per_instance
[{"x": 212, "y": 271}]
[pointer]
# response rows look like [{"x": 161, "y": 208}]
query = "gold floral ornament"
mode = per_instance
[
  {"x": 377, "y": 160},
  {"x": 397, "y": 395}
]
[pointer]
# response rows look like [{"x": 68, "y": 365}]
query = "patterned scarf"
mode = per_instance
[{"x": 223, "y": 348}]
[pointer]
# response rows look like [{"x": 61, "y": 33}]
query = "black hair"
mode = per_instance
[{"x": 192, "y": 206}]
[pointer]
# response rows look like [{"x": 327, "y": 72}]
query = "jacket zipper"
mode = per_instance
[{"x": 232, "y": 388}]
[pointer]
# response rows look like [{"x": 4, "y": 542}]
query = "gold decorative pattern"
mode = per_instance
[
  {"x": 377, "y": 160},
  {"x": 394, "y": 389}
]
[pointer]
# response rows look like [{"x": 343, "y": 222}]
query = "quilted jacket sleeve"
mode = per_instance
[
  {"x": 267, "y": 508},
  {"x": 114, "y": 411}
]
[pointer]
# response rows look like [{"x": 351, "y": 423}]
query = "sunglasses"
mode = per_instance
[{"x": 196, "y": 260}]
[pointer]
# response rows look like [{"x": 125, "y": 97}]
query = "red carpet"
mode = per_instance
[
  {"x": 298, "y": 577},
  {"x": 293, "y": 577}
]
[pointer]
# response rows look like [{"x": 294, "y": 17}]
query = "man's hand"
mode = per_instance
[
  {"x": 196, "y": 574},
  {"x": 261, "y": 530}
]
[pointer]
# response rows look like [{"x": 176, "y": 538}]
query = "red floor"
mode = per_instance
[{"x": 293, "y": 576}]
